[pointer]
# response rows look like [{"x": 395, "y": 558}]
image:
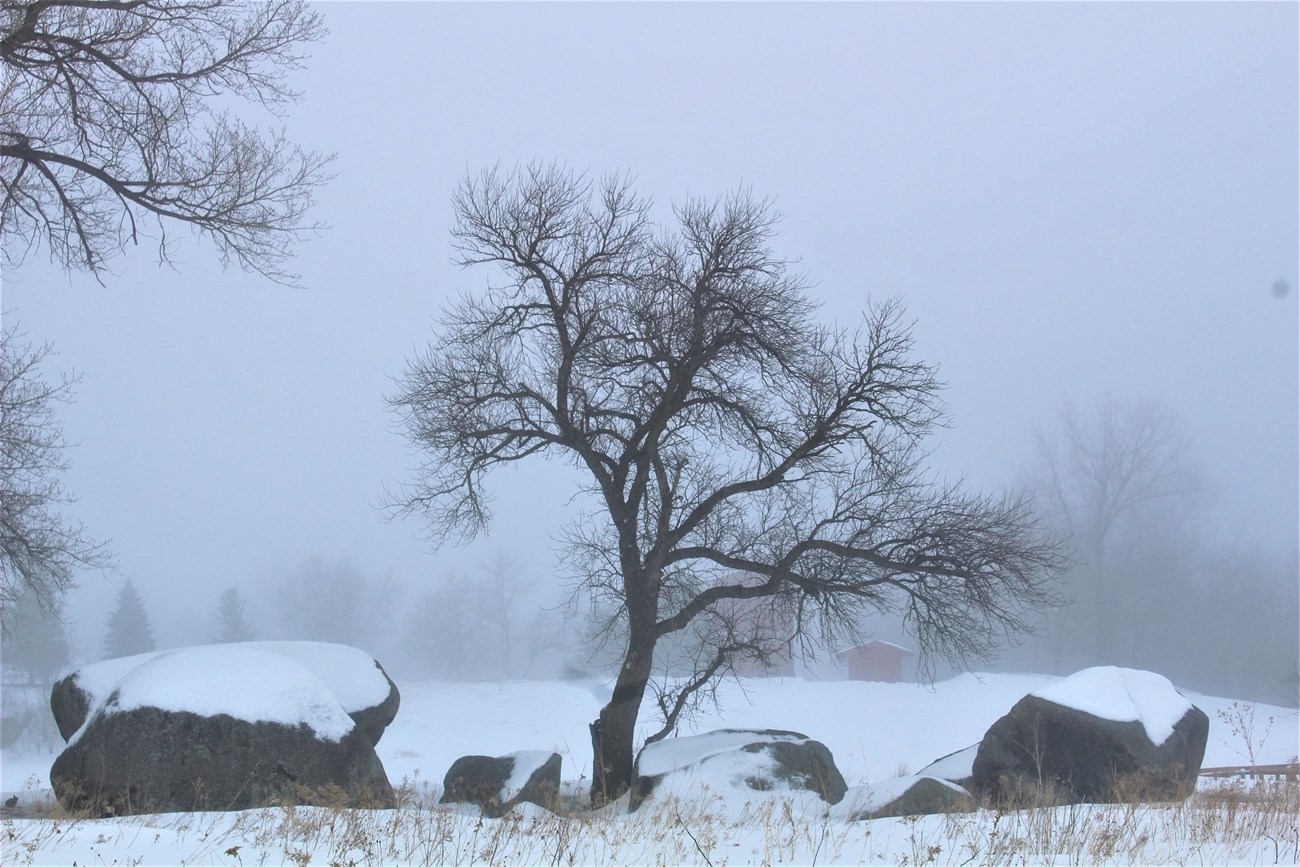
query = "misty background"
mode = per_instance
[{"x": 1080, "y": 205}]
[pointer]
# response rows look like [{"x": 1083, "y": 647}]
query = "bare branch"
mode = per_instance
[
  {"x": 41, "y": 550},
  {"x": 108, "y": 119}
]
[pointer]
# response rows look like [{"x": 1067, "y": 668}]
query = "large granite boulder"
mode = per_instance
[
  {"x": 222, "y": 727},
  {"x": 358, "y": 681},
  {"x": 498, "y": 783},
  {"x": 1103, "y": 735},
  {"x": 744, "y": 761},
  {"x": 916, "y": 795}
]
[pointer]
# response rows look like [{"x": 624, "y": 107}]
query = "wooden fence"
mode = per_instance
[{"x": 1289, "y": 772}]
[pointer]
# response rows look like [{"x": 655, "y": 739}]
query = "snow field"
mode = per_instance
[{"x": 875, "y": 731}]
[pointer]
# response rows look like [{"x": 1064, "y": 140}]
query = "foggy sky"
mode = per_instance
[{"x": 1071, "y": 200}]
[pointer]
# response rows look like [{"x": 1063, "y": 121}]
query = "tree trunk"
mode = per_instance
[{"x": 613, "y": 734}]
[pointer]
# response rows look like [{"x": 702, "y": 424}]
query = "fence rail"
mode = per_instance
[{"x": 1289, "y": 772}]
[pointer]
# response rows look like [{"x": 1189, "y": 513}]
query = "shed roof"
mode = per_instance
[{"x": 876, "y": 644}]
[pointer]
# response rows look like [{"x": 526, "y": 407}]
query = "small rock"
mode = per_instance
[{"x": 498, "y": 783}]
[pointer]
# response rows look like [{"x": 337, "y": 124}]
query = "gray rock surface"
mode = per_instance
[
  {"x": 923, "y": 796},
  {"x": 484, "y": 780},
  {"x": 781, "y": 759},
  {"x": 147, "y": 760},
  {"x": 70, "y": 705},
  {"x": 1045, "y": 752}
]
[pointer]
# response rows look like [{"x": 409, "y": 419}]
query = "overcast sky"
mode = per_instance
[{"x": 1072, "y": 199}]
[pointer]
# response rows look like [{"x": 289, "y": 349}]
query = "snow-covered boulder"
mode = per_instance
[
  {"x": 498, "y": 783},
  {"x": 1101, "y": 735},
  {"x": 358, "y": 681},
  {"x": 742, "y": 761},
  {"x": 956, "y": 767},
  {"x": 916, "y": 795},
  {"x": 223, "y": 727}
]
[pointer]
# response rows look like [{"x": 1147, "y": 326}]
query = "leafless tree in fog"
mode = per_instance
[
  {"x": 334, "y": 601},
  {"x": 40, "y": 548},
  {"x": 111, "y": 118},
  {"x": 469, "y": 626},
  {"x": 723, "y": 431},
  {"x": 1104, "y": 472}
]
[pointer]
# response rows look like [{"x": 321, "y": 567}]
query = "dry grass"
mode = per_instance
[{"x": 1236, "y": 823}]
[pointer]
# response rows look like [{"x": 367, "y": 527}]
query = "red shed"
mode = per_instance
[{"x": 876, "y": 660}]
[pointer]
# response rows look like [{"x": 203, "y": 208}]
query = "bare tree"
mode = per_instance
[
  {"x": 722, "y": 431},
  {"x": 110, "y": 119},
  {"x": 336, "y": 602},
  {"x": 35, "y": 642},
  {"x": 41, "y": 549},
  {"x": 1109, "y": 474}
]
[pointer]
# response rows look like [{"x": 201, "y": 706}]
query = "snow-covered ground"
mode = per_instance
[{"x": 875, "y": 731}]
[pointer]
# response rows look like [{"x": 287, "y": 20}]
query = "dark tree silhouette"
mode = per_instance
[
  {"x": 734, "y": 447},
  {"x": 128, "y": 631},
  {"x": 232, "y": 623},
  {"x": 110, "y": 124}
]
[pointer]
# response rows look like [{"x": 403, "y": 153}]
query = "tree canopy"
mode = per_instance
[
  {"x": 114, "y": 126},
  {"x": 734, "y": 447}
]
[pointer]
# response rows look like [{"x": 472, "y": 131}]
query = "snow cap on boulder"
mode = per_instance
[
  {"x": 1123, "y": 695},
  {"x": 357, "y": 681},
  {"x": 79, "y": 689},
  {"x": 743, "y": 761},
  {"x": 912, "y": 795},
  {"x": 954, "y": 767},
  {"x": 249, "y": 685}
]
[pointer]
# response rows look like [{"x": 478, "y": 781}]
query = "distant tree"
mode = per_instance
[
  {"x": 232, "y": 623},
  {"x": 111, "y": 118},
  {"x": 442, "y": 631},
  {"x": 36, "y": 643},
  {"x": 41, "y": 549},
  {"x": 128, "y": 631},
  {"x": 1112, "y": 476},
  {"x": 469, "y": 626},
  {"x": 322, "y": 601},
  {"x": 721, "y": 431}
]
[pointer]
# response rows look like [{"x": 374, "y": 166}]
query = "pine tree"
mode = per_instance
[
  {"x": 128, "y": 630},
  {"x": 232, "y": 624}
]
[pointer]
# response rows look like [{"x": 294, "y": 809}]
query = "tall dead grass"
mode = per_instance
[{"x": 1234, "y": 822}]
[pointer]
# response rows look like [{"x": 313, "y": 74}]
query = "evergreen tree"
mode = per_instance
[
  {"x": 128, "y": 630},
  {"x": 35, "y": 645},
  {"x": 232, "y": 624}
]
